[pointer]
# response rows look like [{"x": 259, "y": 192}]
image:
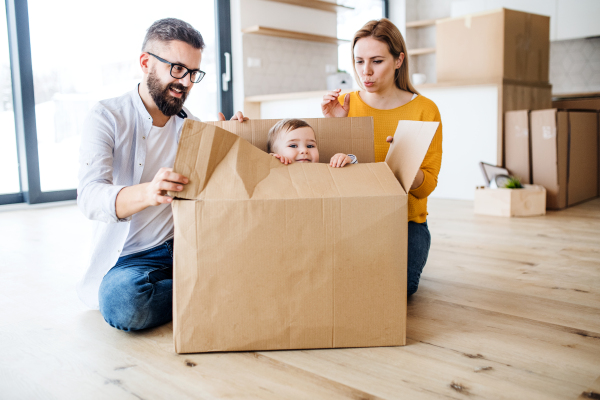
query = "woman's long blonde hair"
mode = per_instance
[{"x": 385, "y": 31}]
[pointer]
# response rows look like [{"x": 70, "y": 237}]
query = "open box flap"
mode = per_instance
[
  {"x": 350, "y": 135},
  {"x": 407, "y": 151},
  {"x": 221, "y": 165}
]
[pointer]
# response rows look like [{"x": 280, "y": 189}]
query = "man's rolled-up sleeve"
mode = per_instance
[{"x": 96, "y": 193}]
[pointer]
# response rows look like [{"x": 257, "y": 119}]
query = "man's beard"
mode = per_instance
[{"x": 166, "y": 103}]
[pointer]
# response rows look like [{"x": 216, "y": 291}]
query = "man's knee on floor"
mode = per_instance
[{"x": 123, "y": 304}]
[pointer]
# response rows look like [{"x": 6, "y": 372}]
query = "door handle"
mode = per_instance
[{"x": 226, "y": 76}]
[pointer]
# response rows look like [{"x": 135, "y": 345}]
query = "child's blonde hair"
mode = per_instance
[
  {"x": 285, "y": 125},
  {"x": 386, "y": 32}
]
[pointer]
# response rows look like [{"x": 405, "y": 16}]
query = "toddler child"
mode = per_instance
[{"x": 293, "y": 140}]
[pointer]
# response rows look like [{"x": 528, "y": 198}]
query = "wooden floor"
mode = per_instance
[{"x": 507, "y": 309}]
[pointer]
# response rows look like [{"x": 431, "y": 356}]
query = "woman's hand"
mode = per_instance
[
  {"x": 239, "y": 116},
  {"x": 331, "y": 107},
  {"x": 284, "y": 160},
  {"x": 339, "y": 160}
]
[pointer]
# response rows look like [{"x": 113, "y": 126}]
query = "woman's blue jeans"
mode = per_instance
[
  {"x": 137, "y": 293},
  {"x": 419, "y": 241}
]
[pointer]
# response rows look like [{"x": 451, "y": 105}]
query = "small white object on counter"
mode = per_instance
[
  {"x": 419, "y": 79},
  {"x": 340, "y": 80}
]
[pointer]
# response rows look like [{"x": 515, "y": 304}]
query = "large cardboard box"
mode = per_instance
[
  {"x": 565, "y": 155},
  {"x": 517, "y": 144},
  {"x": 269, "y": 256},
  {"x": 526, "y": 202},
  {"x": 500, "y": 44}
]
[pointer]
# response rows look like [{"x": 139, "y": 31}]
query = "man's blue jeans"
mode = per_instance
[
  {"x": 419, "y": 241},
  {"x": 137, "y": 293}
]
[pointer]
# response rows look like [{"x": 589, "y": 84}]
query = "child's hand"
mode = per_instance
[
  {"x": 284, "y": 160},
  {"x": 339, "y": 160}
]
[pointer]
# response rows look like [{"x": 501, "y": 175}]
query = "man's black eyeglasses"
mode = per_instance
[{"x": 179, "y": 71}]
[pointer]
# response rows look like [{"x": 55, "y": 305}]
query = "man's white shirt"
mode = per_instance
[
  {"x": 117, "y": 151},
  {"x": 154, "y": 225}
]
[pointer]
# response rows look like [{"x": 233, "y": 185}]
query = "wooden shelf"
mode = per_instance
[
  {"x": 261, "y": 30},
  {"x": 421, "y": 24},
  {"x": 316, "y": 4},
  {"x": 418, "y": 52}
]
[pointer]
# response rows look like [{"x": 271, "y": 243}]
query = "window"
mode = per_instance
[
  {"x": 348, "y": 22},
  {"x": 66, "y": 55},
  {"x": 84, "y": 54}
]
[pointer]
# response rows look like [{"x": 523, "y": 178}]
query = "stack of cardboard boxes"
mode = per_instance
[
  {"x": 557, "y": 149},
  {"x": 504, "y": 47},
  {"x": 553, "y": 148}
]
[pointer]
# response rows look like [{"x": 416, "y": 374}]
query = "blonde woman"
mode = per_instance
[{"x": 387, "y": 95}]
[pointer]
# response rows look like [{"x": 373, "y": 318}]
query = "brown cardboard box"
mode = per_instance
[
  {"x": 269, "y": 256},
  {"x": 517, "y": 145},
  {"x": 500, "y": 44},
  {"x": 525, "y": 202},
  {"x": 536, "y": 96},
  {"x": 564, "y": 149}
]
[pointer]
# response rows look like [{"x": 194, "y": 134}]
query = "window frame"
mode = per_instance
[{"x": 17, "y": 16}]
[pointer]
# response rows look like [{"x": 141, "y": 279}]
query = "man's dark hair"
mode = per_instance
[{"x": 168, "y": 29}]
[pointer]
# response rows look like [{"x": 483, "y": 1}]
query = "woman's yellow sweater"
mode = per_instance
[{"x": 385, "y": 123}]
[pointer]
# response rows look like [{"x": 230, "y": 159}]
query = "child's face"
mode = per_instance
[{"x": 298, "y": 145}]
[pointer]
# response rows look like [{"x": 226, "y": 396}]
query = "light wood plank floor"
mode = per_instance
[{"x": 507, "y": 309}]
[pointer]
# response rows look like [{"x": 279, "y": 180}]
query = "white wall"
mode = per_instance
[{"x": 469, "y": 129}]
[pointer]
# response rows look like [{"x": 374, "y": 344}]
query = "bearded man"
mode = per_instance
[{"x": 127, "y": 148}]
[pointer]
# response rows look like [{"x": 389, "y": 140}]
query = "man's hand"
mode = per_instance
[
  {"x": 238, "y": 116},
  {"x": 339, "y": 160},
  {"x": 331, "y": 107},
  {"x": 164, "y": 180},
  {"x": 133, "y": 199},
  {"x": 284, "y": 160}
]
